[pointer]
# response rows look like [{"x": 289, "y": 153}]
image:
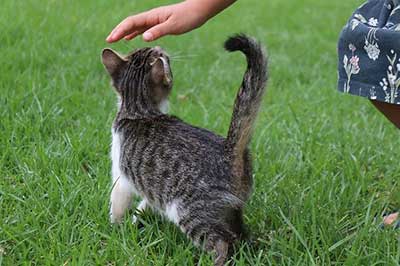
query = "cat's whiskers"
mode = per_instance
[
  {"x": 183, "y": 56},
  {"x": 180, "y": 55}
]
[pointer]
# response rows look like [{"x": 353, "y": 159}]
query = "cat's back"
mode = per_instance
[
  {"x": 166, "y": 146},
  {"x": 171, "y": 134}
]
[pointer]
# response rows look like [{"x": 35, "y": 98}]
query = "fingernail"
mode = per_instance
[{"x": 147, "y": 36}]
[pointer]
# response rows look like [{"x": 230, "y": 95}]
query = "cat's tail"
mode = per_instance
[{"x": 248, "y": 98}]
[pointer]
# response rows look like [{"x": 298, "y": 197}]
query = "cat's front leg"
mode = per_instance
[
  {"x": 121, "y": 199},
  {"x": 143, "y": 205}
]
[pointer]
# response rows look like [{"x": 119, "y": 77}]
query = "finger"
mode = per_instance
[
  {"x": 157, "y": 31},
  {"x": 120, "y": 31},
  {"x": 132, "y": 35},
  {"x": 129, "y": 25}
]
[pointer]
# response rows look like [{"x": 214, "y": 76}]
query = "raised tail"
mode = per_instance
[{"x": 248, "y": 98}]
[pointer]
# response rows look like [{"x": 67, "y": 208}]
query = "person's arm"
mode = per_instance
[{"x": 173, "y": 19}]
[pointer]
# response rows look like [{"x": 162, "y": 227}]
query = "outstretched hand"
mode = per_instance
[
  {"x": 173, "y": 19},
  {"x": 153, "y": 24}
]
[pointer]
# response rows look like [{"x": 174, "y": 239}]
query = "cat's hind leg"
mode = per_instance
[
  {"x": 121, "y": 199},
  {"x": 212, "y": 235},
  {"x": 222, "y": 252},
  {"x": 220, "y": 243}
]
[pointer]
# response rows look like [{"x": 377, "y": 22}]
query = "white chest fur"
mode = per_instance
[
  {"x": 115, "y": 156},
  {"x": 116, "y": 172},
  {"x": 164, "y": 106},
  {"x": 122, "y": 187}
]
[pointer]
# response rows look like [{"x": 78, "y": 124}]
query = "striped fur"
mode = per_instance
[
  {"x": 197, "y": 179},
  {"x": 247, "y": 104}
]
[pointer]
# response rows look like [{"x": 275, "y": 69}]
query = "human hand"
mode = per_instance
[{"x": 173, "y": 19}]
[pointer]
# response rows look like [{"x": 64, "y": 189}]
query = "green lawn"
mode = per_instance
[{"x": 325, "y": 163}]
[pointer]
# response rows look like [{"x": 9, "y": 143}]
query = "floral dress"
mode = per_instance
[{"x": 369, "y": 52}]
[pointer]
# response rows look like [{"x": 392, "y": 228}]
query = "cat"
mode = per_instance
[{"x": 198, "y": 180}]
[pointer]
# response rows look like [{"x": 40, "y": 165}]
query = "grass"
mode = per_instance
[{"x": 325, "y": 163}]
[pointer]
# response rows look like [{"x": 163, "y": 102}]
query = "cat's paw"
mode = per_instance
[
  {"x": 113, "y": 220},
  {"x": 139, "y": 210},
  {"x": 135, "y": 219}
]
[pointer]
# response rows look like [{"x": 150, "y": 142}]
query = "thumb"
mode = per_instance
[{"x": 157, "y": 31}]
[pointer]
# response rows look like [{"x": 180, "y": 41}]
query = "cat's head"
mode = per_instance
[{"x": 144, "y": 76}]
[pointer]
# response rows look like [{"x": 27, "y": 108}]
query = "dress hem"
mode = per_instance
[{"x": 362, "y": 89}]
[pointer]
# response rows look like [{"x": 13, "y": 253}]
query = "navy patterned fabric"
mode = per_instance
[{"x": 369, "y": 52}]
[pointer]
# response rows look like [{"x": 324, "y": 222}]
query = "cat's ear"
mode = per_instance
[
  {"x": 161, "y": 72},
  {"x": 113, "y": 62}
]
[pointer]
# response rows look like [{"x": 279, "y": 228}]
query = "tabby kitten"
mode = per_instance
[{"x": 200, "y": 181}]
